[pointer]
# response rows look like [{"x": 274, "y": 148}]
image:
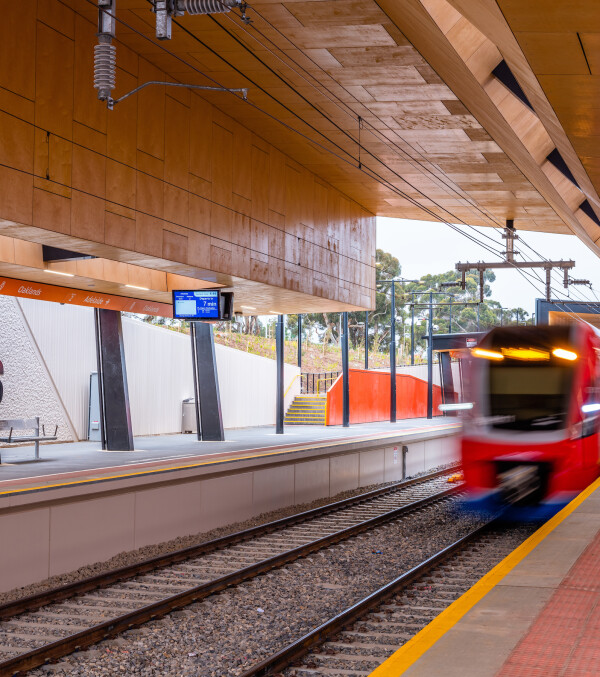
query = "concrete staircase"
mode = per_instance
[{"x": 307, "y": 410}]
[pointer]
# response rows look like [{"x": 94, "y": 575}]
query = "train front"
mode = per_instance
[{"x": 530, "y": 441}]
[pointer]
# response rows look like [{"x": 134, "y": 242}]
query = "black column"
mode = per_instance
[
  {"x": 115, "y": 416},
  {"x": 279, "y": 395},
  {"x": 430, "y": 360},
  {"x": 393, "y": 358},
  {"x": 206, "y": 381},
  {"x": 300, "y": 341},
  {"x": 366, "y": 339},
  {"x": 345, "y": 374},
  {"x": 412, "y": 333}
]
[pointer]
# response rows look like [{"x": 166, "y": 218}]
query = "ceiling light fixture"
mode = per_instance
[
  {"x": 248, "y": 307},
  {"x": 134, "y": 286},
  {"x": 58, "y": 272}
]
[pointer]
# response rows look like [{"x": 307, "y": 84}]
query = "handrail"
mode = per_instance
[
  {"x": 333, "y": 379},
  {"x": 313, "y": 378},
  {"x": 291, "y": 384}
]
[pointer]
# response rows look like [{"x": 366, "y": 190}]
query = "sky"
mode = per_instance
[{"x": 427, "y": 247}]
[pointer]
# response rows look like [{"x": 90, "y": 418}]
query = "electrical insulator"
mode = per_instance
[
  {"x": 206, "y": 6},
  {"x": 105, "y": 64}
]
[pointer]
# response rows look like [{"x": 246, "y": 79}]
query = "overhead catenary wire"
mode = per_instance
[
  {"x": 372, "y": 173},
  {"x": 351, "y": 112}
]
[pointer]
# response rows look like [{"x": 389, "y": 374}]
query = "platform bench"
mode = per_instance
[{"x": 25, "y": 424}]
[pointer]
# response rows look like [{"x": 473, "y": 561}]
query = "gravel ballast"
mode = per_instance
[
  {"x": 149, "y": 551},
  {"x": 227, "y": 633}
]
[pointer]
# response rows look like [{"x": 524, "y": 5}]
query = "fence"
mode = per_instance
[{"x": 317, "y": 384}]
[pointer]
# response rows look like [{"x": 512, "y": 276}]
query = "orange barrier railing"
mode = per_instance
[{"x": 370, "y": 397}]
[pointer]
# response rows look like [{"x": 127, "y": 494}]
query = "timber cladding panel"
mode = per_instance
[{"x": 166, "y": 179}]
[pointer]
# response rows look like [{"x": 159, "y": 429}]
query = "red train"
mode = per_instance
[{"x": 531, "y": 438}]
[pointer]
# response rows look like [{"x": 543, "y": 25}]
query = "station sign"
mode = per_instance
[
  {"x": 202, "y": 304},
  {"x": 196, "y": 304},
  {"x": 49, "y": 292}
]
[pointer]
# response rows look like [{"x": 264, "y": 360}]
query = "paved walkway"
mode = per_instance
[
  {"x": 536, "y": 614},
  {"x": 18, "y": 463}
]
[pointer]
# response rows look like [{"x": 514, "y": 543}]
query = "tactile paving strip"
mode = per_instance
[{"x": 564, "y": 640}]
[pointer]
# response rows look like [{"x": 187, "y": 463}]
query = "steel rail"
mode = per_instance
[
  {"x": 63, "y": 592},
  {"x": 285, "y": 657},
  {"x": 80, "y": 640}
]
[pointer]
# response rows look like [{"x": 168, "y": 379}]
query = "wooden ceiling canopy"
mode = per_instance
[{"x": 440, "y": 138}]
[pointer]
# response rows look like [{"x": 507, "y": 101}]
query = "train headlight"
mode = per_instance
[
  {"x": 487, "y": 354},
  {"x": 564, "y": 354}
]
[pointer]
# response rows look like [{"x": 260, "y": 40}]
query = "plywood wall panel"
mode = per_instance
[
  {"x": 148, "y": 234},
  {"x": 17, "y": 47},
  {"x": 87, "y": 217},
  {"x": 242, "y": 162},
  {"x": 176, "y": 205},
  {"x": 86, "y": 109},
  {"x": 50, "y": 211},
  {"x": 222, "y": 165},
  {"x": 120, "y": 186},
  {"x": 199, "y": 214},
  {"x": 16, "y": 143},
  {"x": 151, "y": 112},
  {"x": 199, "y": 250},
  {"x": 201, "y": 116},
  {"x": 177, "y": 143},
  {"x": 54, "y": 81},
  {"x": 260, "y": 184},
  {"x": 277, "y": 181},
  {"x": 164, "y": 179},
  {"x": 121, "y": 124},
  {"x": 150, "y": 195},
  {"x": 119, "y": 231}
]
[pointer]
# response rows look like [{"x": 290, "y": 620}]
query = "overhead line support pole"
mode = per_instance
[
  {"x": 412, "y": 333},
  {"x": 346, "y": 373},
  {"x": 366, "y": 339},
  {"x": 429, "y": 360},
  {"x": 300, "y": 341},
  {"x": 279, "y": 395},
  {"x": 393, "y": 357}
]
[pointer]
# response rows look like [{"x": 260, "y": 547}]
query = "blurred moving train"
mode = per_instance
[{"x": 531, "y": 425}]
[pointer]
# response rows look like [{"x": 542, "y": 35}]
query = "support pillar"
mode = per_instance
[
  {"x": 115, "y": 415},
  {"x": 345, "y": 374},
  {"x": 366, "y": 339},
  {"x": 430, "y": 360},
  {"x": 393, "y": 357},
  {"x": 206, "y": 383},
  {"x": 279, "y": 394},
  {"x": 412, "y": 333},
  {"x": 300, "y": 341}
]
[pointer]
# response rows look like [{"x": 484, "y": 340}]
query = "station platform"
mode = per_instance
[
  {"x": 173, "y": 486},
  {"x": 537, "y": 613},
  {"x": 87, "y": 459}
]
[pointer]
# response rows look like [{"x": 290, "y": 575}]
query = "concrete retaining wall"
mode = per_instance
[
  {"x": 159, "y": 372},
  {"x": 70, "y": 526}
]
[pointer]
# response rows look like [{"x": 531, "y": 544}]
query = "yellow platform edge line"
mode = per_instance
[
  {"x": 409, "y": 653},
  {"x": 264, "y": 454}
]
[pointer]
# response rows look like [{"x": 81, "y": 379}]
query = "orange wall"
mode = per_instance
[
  {"x": 166, "y": 175},
  {"x": 370, "y": 397}
]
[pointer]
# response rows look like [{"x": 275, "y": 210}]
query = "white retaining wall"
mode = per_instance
[{"x": 49, "y": 351}]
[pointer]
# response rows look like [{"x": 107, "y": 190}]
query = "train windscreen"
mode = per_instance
[{"x": 529, "y": 388}]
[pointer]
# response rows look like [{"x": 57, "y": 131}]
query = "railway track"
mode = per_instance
[
  {"x": 48, "y": 626},
  {"x": 359, "y": 639}
]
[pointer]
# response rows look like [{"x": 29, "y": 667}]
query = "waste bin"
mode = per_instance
[{"x": 188, "y": 416}]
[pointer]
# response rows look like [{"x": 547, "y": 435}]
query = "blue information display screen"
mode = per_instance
[{"x": 196, "y": 305}]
